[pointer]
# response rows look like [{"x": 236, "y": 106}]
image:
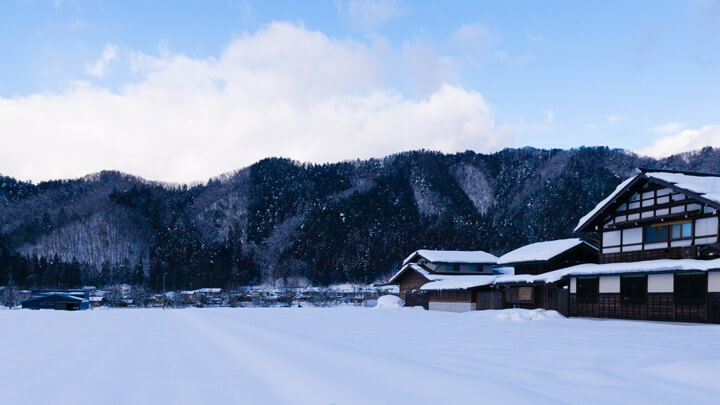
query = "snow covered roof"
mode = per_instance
[
  {"x": 540, "y": 251},
  {"x": 453, "y": 256},
  {"x": 602, "y": 204},
  {"x": 418, "y": 268},
  {"x": 704, "y": 184},
  {"x": 458, "y": 283},
  {"x": 588, "y": 269},
  {"x": 209, "y": 290}
]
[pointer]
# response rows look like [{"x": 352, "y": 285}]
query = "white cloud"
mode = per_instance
[
  {"x": 100, "y": 66},
  {"x": 685, "y": 141},
  {"x": 612, "y": 119},
  {"x": 535, "y": 38},
  {"x": 281, "y": 91},
  {"x": 670, "y": 127},
  {"x": 427, "y": 70},
  {"x": 475, "y": 36},
  {"x": 369, "y": 14}
]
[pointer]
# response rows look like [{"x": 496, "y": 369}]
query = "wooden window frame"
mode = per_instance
[
  {"x": 678, "y": 287},
  {"x": 582, "y": 283},
  {"x": 625, "y": 285}
]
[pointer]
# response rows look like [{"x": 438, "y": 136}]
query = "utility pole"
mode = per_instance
[{"x": 164, "y": 296}]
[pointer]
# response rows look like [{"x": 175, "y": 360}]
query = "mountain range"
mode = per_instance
[{"x": 283, "y": 222}]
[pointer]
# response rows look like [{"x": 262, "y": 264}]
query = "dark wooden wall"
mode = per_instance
[
  {"x": 656, "y": 307},
  {"x": 411, "y": 281},
  {"x": 450, "y": 296}
]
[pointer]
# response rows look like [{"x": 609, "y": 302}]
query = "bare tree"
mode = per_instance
[{"x": 9, "y": 297}]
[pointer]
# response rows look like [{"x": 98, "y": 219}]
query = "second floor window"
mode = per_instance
[
  {"x": 656, "y": 234},
  {"x": 664, "y": 233},
  {"x": 681, "y": 231}
]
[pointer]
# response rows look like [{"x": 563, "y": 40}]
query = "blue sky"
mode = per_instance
[{"x": 639, "y": 75}]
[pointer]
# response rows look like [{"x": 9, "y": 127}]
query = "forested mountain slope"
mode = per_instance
[{"x": 281, "y": 221}]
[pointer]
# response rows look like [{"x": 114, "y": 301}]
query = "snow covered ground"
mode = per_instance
[{"x": 350, "y": 356}]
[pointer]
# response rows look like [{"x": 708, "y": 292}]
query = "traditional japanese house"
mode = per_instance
[
  {"x": 424, "y": 266},
  {"x": 659, "y": 254},
  {"x": 539, "y": 258}
]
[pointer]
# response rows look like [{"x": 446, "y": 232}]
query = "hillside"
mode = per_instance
[{"x": 281, "y": 221}]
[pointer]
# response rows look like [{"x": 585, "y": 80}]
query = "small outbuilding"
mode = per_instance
[
  {"x": 68, "y": 300},
  {"x": 541, "y": 257},
  {"x": 424, "y": 266}
]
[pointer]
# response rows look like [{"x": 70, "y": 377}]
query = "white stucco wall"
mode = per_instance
[
  {"x": 706, "y": 226},
  {"x": 609, "y": 284},
  {"x": 632, "y": 235},
  {"x": 451, "y": 306},
  {"x": 660, "y": 283},
  {"x": 713, "y": 281}
]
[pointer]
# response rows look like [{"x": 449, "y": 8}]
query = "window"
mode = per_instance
[
  {"x": 656, "y": 234},
  {"x": 681, "y": 231},
  {"x": 690, "y": 288},
  {"x": 452, "y": 268},
  {"x": 587, "y": 289},
  {"x": 633, "y": 288}
]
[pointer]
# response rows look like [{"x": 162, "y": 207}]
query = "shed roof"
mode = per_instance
[
  {"x": 591, "y": 269},
  {"x": 57, "y": 295},
  {"x": 541, "y": 251},
  {"x": 459, "y": 283}
]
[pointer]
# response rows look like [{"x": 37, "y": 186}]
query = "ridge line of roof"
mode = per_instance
[{"x": 644, "y": 170}]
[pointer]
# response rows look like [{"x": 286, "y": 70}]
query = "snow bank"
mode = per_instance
[
  {"x": 518, "y": 314},
  {"x": 389, "y": 301}
]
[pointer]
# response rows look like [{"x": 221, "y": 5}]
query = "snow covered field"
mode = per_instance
[{"x": 350, "y": 356}]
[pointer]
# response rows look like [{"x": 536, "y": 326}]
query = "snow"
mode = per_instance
[
  {"x": 350, "y": 356},
  {"x": 453, "y": 256},
  {"x": 540, "y": 251},
  {"x": 526, "y": 314},
  {"x": 706, "y": 186},
  {"x": 601, "y": 205},
  {"x": 389, "y": 301},
  {"x": 453, "y": 282},
  {"x": 648, "y": 266},
  {"x": 413, "y": 266}
]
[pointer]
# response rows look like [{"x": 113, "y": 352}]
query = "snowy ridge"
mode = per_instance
[
  {"x": 540, "y": 251},
  {"x": 453, "y": 256}
]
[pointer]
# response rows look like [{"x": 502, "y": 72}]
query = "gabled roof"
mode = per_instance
[
  {"x": 704, "y": 187},
  {"x": 541, "y": 251},
  {"x": 416, "y": 267},
  {"x": 453, "y": 256}
]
